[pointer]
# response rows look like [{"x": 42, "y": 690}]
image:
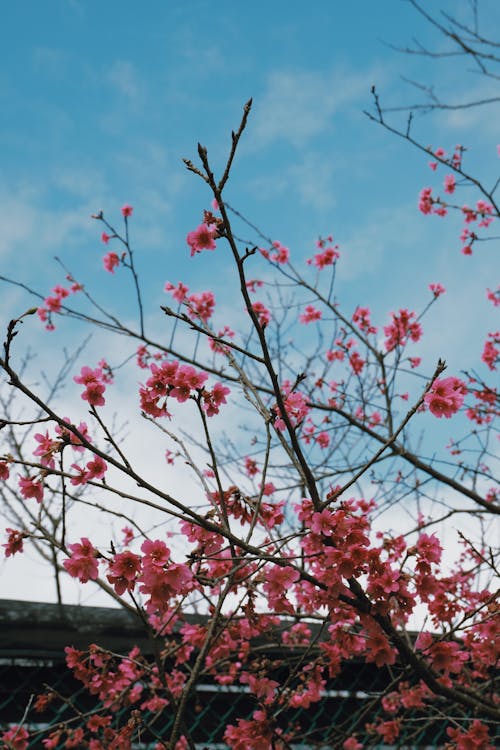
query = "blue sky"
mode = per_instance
[{"x": 101, "y": 100}]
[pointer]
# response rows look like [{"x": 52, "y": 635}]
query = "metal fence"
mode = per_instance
[{"x": 32, "y": 638}]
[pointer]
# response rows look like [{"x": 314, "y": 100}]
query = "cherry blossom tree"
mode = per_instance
[{"x": 301, "y": 497}]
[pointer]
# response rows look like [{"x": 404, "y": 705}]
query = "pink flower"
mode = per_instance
[
  {"x": 105, "y": 238},
  {"x": 357, "y": 362},
  {"x": 494, "y": 296},
  {"x": 96, "y": 468},
  {"x": 178, "y": 292},
  {"x": 401, "y": 329},
  {"x": 127, "y": 210},
  {"x": 46, "y": 449},
  {"x": 94, "y": 385},
  {"x": 445, "y": 397},
  {"x": 425, "y": 201},
  {"x": 323, "y": 439},
  {"x": 280, "y": 255},
  {"x": 14, "y": 542},
  {"x": 361, "y": 317},
  {"x": 202, "y": 238},
  {"x": 263, "y": 314},
  {"x": 437, "y": 289},
  {"x": 4, "y": 470},
  {"x": 83, "y": 563},
  {"x": 16, "y": 738},
  {"x": 475, "y": 738},
  {"x": 213, "y": 399},
  {"x": 310, "y": 314},
  {"x": 352, "y": 744},
  {"x": 31, "y": 489},
  {"x": 111, "y": 261},
  {"x": 326, "y": 258},
  {"x": 201, "y": 305},
  {"x": 123, "y": 571},
  {"x": 491, "y": 353},
  {"x": 93, "y": 394},
  {"x": 449, "y": 184}
]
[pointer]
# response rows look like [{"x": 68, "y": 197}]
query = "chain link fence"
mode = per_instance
[{"x": 32, "y": 641}]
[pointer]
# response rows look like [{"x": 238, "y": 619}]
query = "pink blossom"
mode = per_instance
[
  {"x": 128, "y": 535},
  {"x": 201, "y": 305},
  {"x": 105, "y": 237},
  {"x": 310, "y": 315},
  {"x": 14, "y": 542},
  {"x": 31, "y": 489},
  {"x": 325, "y": 258},
  {"x": 4, "y": 470},
  {"x": 96, "y": 468},
  {"x": 437, "y": 289},
  {"x": 445, "y": 397},
  {"x": 361, "y": 317},
  {"x": 449, "y": 184},
  {"x": 110, "y": 261},
  {"x": 296, "y": 408},
  {"x": 15, "y": 738},
  {"x": 402, "y": 328},
  {"x": 93, "y": 394},
  {"x": 126, "y": 210},
  {"x": 253, "y": 284},
  {"x": 494, "y": 296},
  {"x": 263, "y": 314},
  {"x": 212, "y": 400},
  {"x": 476, "y": 737},
  {"x": 123, "y": 571},
  {"x": 356, "y": 362},
  {"x": 178, "y": 292},
  {"x": 202, "y": 238},
  {"x": 280, "y": 255},
  {"x": 94, "y": 386},
  {"x": 279, "y": 580},
  {"x": 491, "y": 350},
  {"x": 323, "y": 439},
  {"x": 46, "y": 449},
  {"x": 83, "y": 563},
  {"x": 251, "y": 467},
  {"x": 68, "y": 436},
  {"x": 425, "y": 201}
]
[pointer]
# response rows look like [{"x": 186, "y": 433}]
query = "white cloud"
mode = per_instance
[
  {"x": 297, "y": 106},
  {"x": 123, "y": 76}
]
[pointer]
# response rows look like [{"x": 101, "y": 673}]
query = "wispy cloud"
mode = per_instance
[
  {"x": 296, "y": 106},
  {"x": 124, "y": 77}
]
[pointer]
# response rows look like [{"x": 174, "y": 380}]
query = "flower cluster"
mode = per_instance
[
  {"x": 279, "y": 254},
  {"x": 401, "y": 329},
  {"x": 202, "y": 238},
  {"x": 95, "y": 382},
  {"x": 181, "y": 382},
  {"x": 54, "y": 302},
  {"x": 327, "y": 257},
  {"x": 445, "y": 397}
]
